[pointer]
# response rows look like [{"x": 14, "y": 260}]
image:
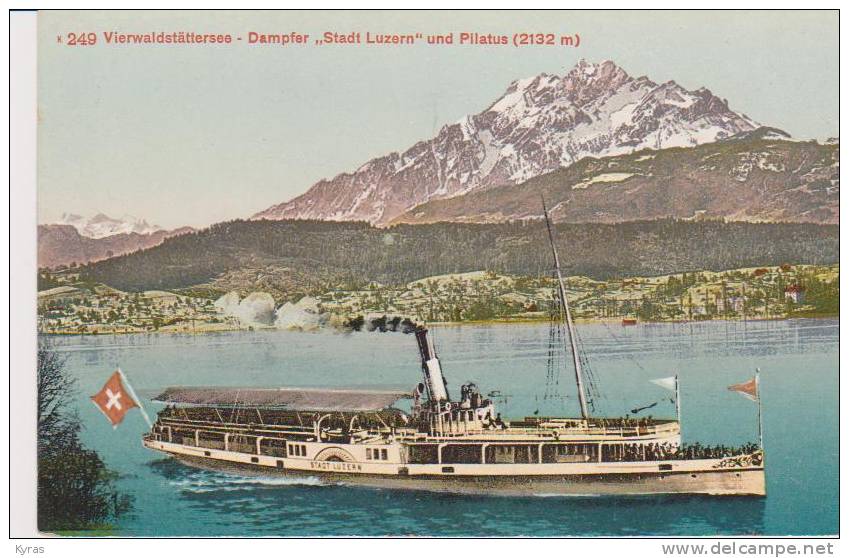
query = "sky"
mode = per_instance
[{"x": 193, "y": 135}]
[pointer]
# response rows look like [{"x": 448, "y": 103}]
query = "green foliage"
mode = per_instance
[
  {"x": 46, "y": 281},
  {"x": 75, "y": 489},
  {"x": 823, "y": 296},
  {"x": 328, "y": 255}
]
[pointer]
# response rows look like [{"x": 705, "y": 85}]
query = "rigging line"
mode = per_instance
[
  {"x": 549, "y": 373},
  {"x": 235, "y": 403},
  {"x": 620, "y": 341},
  {"x": 558, "y": 367},
  {"x": 591, "y": 375},
  {"x": 592, "y": 392},
  {"x": 555, "y": 346},
  {"x": 556, "y": 349}
]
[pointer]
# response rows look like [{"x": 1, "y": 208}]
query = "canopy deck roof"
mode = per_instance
[{"x": 295, "y": 399}]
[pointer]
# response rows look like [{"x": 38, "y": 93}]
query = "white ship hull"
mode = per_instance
[{"x": 727, "y": 476}]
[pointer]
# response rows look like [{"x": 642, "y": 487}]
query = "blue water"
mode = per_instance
[{"x": 798, "y": 359}]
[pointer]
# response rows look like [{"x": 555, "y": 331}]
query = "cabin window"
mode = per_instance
[
  {"x": 613, "y": 452},
  {"x": 254, "y": 459},
  {"x": 273, "y": 447},
  {"x": 512, "y": 454},
  {"x": 500, "y": 454},
  {"x": 569, "y": 453},
  {"x": 377, "y": 454},
  {"x": 623, "y": 452},
  {"x": 461, "y": 453},
  {"x": 242, "y": 443},
  {"x": 422, "y": 453},
  {"x": 211, "y": 440}
]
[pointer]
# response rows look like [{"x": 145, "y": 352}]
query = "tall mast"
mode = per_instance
[{"x": 566, "y": 316}]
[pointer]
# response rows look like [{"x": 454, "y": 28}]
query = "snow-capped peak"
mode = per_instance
[
  {"x": 590, "y": 69},
  {"x": 540, "y": 123},
  {"x": 101, "y": 225}
]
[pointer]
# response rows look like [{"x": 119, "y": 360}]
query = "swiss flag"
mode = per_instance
[{"x": 114, "y": 400}]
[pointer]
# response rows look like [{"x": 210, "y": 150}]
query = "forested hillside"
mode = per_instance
[{"x": 308, "y": 256}]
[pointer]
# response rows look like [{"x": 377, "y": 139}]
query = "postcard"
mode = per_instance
[{"x": 437, "y": 274}]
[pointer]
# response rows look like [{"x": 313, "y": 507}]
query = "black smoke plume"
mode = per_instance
[{"x": 381, "y": 324}]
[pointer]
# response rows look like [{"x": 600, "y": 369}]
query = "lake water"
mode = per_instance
[{"x": 798, "y": 359}]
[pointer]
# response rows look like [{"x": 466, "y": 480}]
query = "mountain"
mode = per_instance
[
  {"x": 290, "y": 259},
  {"x": 101, "y": 225},
  {"x": 539, "y": 125},
  {"x": 757, "y": 175},
  {"x": 64, "y": 245},
  {"x": 764, "y": 133}
]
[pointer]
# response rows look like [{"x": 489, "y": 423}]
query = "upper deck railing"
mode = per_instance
[
  {"x": 598, "y": 427},
  {"x": 530, "y": 428}
]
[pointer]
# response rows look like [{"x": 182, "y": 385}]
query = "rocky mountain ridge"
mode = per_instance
[
  {"x": 757, "y": 176},
  {"x": 539, "y": 125}
]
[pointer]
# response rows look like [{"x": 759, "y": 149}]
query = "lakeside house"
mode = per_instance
[{"x": 795, "y": 293}]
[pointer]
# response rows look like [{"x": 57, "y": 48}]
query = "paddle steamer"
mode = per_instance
[{"x": 444, "y": 444}]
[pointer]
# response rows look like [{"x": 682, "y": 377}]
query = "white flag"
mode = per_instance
[{"x": 665, "y": 383}]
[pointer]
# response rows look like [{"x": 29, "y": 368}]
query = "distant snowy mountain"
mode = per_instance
[
  {"x": 64, "y": 245},
  {"x": 539, "y": 125},
  {"x": 101, "y": 226},
  {"x": 75, "y": 239}
]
